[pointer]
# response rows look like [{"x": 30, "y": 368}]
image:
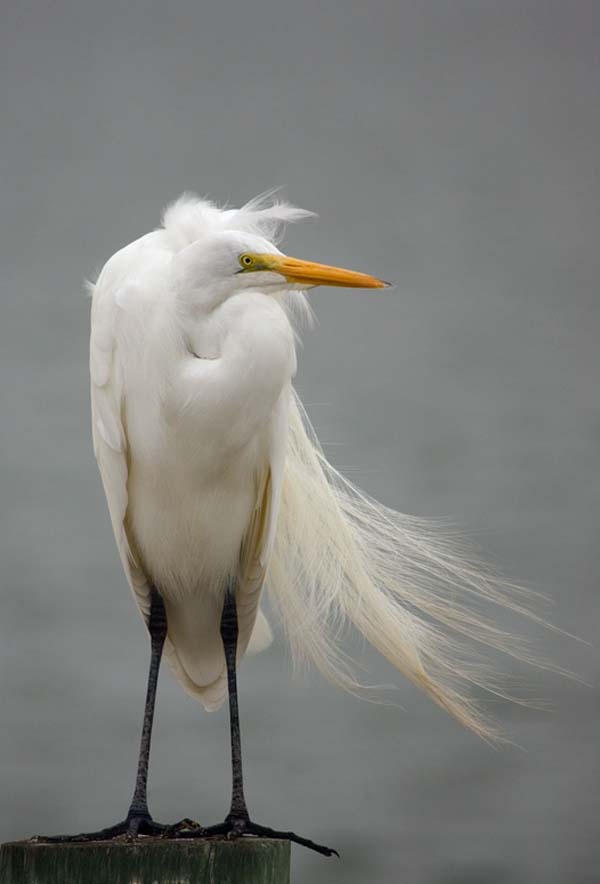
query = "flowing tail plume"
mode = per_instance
[{"x": 341, "y": 557}]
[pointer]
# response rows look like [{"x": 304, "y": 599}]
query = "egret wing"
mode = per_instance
[
  {"x": 108, "y": 429},
  {"x": 110, "y": 440}
]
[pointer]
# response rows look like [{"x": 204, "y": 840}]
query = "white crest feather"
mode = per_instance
[{"x": 190, "y": 217}]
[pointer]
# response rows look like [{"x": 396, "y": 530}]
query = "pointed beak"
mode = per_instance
[{"x": 309, "y": 273}]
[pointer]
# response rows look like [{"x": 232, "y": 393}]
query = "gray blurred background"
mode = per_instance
[{"x": 449, "y": 146}]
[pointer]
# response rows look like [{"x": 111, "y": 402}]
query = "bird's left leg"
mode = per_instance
[{"x": 237, "y": 823}]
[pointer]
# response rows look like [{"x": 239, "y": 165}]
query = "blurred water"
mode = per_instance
[{"x": 452, "y": 148}]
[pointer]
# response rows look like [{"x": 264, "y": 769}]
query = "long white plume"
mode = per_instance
[{"x": 341, "y": 557}]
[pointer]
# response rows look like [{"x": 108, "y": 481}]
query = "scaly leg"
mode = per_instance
[{"x": 238, "y": 822}]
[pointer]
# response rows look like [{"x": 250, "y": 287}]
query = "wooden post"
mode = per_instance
[{"x": 152, "y": 861}]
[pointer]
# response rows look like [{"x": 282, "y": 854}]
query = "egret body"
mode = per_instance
[{"x": 217, "y": 487}]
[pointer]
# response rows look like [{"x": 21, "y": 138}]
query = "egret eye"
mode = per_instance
[{"x": 247, "y": 261}]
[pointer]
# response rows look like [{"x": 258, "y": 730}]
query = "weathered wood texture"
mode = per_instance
[{"x": 243, "y": 861}]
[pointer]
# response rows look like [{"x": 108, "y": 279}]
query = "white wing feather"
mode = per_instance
[{"x": 108, "y": 433}]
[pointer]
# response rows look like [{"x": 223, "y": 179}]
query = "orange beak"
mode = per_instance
[{"x": 309, "y": 273}]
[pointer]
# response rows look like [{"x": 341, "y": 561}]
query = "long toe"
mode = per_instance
[
  {"x": 133, "y": 827},
  {"x": 107, "y": 834},
  {"x": 267, "y": 832},
  {"x": 233, "y": 827}
]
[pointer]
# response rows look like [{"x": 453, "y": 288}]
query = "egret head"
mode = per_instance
[{"x": 219, "y": 253}]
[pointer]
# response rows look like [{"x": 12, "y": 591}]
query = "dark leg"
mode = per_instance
[
  {"x": 139, "y": 814},
  {"x": 229, "y": 635},
  {"x": 238, "y": 822},
  {"x": 138, "y": 820}
]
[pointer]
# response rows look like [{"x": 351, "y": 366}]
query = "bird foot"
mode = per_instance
[
  {"x": 242, "y": 826},
  {"x": 134, "y": 826}
]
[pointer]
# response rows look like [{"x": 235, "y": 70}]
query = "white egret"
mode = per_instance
[{"x": 217, "y": 486}]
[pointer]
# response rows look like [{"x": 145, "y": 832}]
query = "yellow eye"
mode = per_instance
[{"x": 246, "y": 261}]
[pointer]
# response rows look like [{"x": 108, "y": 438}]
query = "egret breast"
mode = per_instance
[{"x": 187, "y": 519}]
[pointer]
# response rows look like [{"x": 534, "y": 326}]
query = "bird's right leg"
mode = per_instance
[{"x": 138, "y": 820}]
